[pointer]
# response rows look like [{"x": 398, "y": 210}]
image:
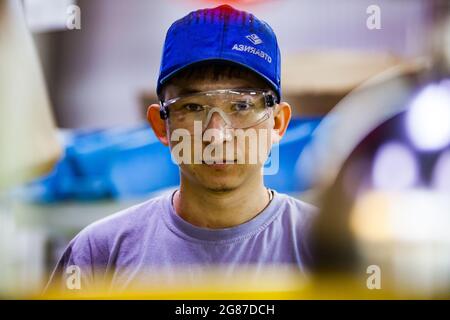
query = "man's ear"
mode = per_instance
[
  {"x": 158, "y": 124},
  {"x": 282, "y": 117}
]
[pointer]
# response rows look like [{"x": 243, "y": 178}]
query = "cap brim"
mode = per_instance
[{"x": 163, "y": 80}]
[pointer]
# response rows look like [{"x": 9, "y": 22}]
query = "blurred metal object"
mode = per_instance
[
  {"x": 390, "y": 208},
  {"x": 366, "y": 107},
  {"x": 384, "y": 168}
]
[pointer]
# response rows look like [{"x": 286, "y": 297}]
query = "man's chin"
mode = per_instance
[
  {"x": 219, "y": 182},
  {"x": 220, "y": 188},
  {"x": 218, "y": 179}
]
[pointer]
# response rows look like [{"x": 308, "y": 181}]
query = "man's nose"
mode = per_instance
[{"x": 219, "y": 123}]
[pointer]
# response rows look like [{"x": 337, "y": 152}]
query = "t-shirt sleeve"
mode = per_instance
[{"x": 81, "y": 267}]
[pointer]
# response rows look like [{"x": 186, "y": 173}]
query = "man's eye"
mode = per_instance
[
  {"x": 242, "y": 106},
  {"x": 193, "y": 107}
]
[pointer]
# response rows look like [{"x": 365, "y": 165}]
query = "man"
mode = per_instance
[{"x": 219, "y": 80}]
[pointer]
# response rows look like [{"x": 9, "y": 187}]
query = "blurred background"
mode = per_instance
[{"x": 368, "y": 144}]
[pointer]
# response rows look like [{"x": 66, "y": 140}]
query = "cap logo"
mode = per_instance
[
  {"x": 254, "y": 39},
  {"x": 253, "y": 50}
]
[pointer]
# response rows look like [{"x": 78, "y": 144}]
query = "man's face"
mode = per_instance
[{"x": 241, "y": 152}]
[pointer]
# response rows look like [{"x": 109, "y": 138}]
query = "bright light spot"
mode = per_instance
[
  {"x": 408, "y": 233},
  {"x": 428, "y": 120},
  {"x": 369, "y": 218},
  {"x": 395, "y": 167},
  {"x": 441, "y": 173},
  {"x": 414, "y": 215}
]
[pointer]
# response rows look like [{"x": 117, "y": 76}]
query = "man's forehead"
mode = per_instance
[{"x": 199, "y": 85}]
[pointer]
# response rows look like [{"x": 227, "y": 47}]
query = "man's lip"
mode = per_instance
[{"x": 223, "y": 163}]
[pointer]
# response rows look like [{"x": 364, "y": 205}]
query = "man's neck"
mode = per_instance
[{"x": 213, "y": 209}]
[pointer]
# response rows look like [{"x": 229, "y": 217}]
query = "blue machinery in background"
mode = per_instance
[{"x": 126, "y": 163}]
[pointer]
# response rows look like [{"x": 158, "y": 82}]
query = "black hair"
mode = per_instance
[{"x": 217, "y": 69}]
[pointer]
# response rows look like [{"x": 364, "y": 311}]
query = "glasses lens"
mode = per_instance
[
  {"x": 246, "y": 109},
  {"x": 242, "y": 108}
]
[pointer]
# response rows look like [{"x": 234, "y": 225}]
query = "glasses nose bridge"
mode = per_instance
[{"x": 211, "y": 116}]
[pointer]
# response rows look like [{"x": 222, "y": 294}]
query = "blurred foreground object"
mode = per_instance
[
  {"x": 385, "y": 219},
  {"x": 28, "y": 142}
]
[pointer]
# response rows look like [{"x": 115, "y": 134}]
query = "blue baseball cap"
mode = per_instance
[{"x": 221, "y": 34}]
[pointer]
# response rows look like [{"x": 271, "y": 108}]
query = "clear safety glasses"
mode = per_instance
[{"x": 239, "y": 108}]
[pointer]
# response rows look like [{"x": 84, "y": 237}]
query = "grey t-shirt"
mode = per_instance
[{"x": 151, "y": 235}]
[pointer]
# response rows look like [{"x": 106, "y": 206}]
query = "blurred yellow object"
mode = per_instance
[
  {"x": 322, "y": 287},
  {"x": 28, "y": 141},
  {"x": 276, "y": 282}
]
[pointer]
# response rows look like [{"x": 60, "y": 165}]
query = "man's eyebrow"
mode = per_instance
[
  {"x": 184, "y": 91},
  {"x": 180, "y": 91}
]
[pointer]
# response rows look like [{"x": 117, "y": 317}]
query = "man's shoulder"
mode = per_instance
[
  {"x": 297, "y": 206},
  {"x": 296, "y": 211},
  {"x": 128, "y": 221}
]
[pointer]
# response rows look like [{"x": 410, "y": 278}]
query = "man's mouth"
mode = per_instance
[{"x": 219, "y": 163}]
